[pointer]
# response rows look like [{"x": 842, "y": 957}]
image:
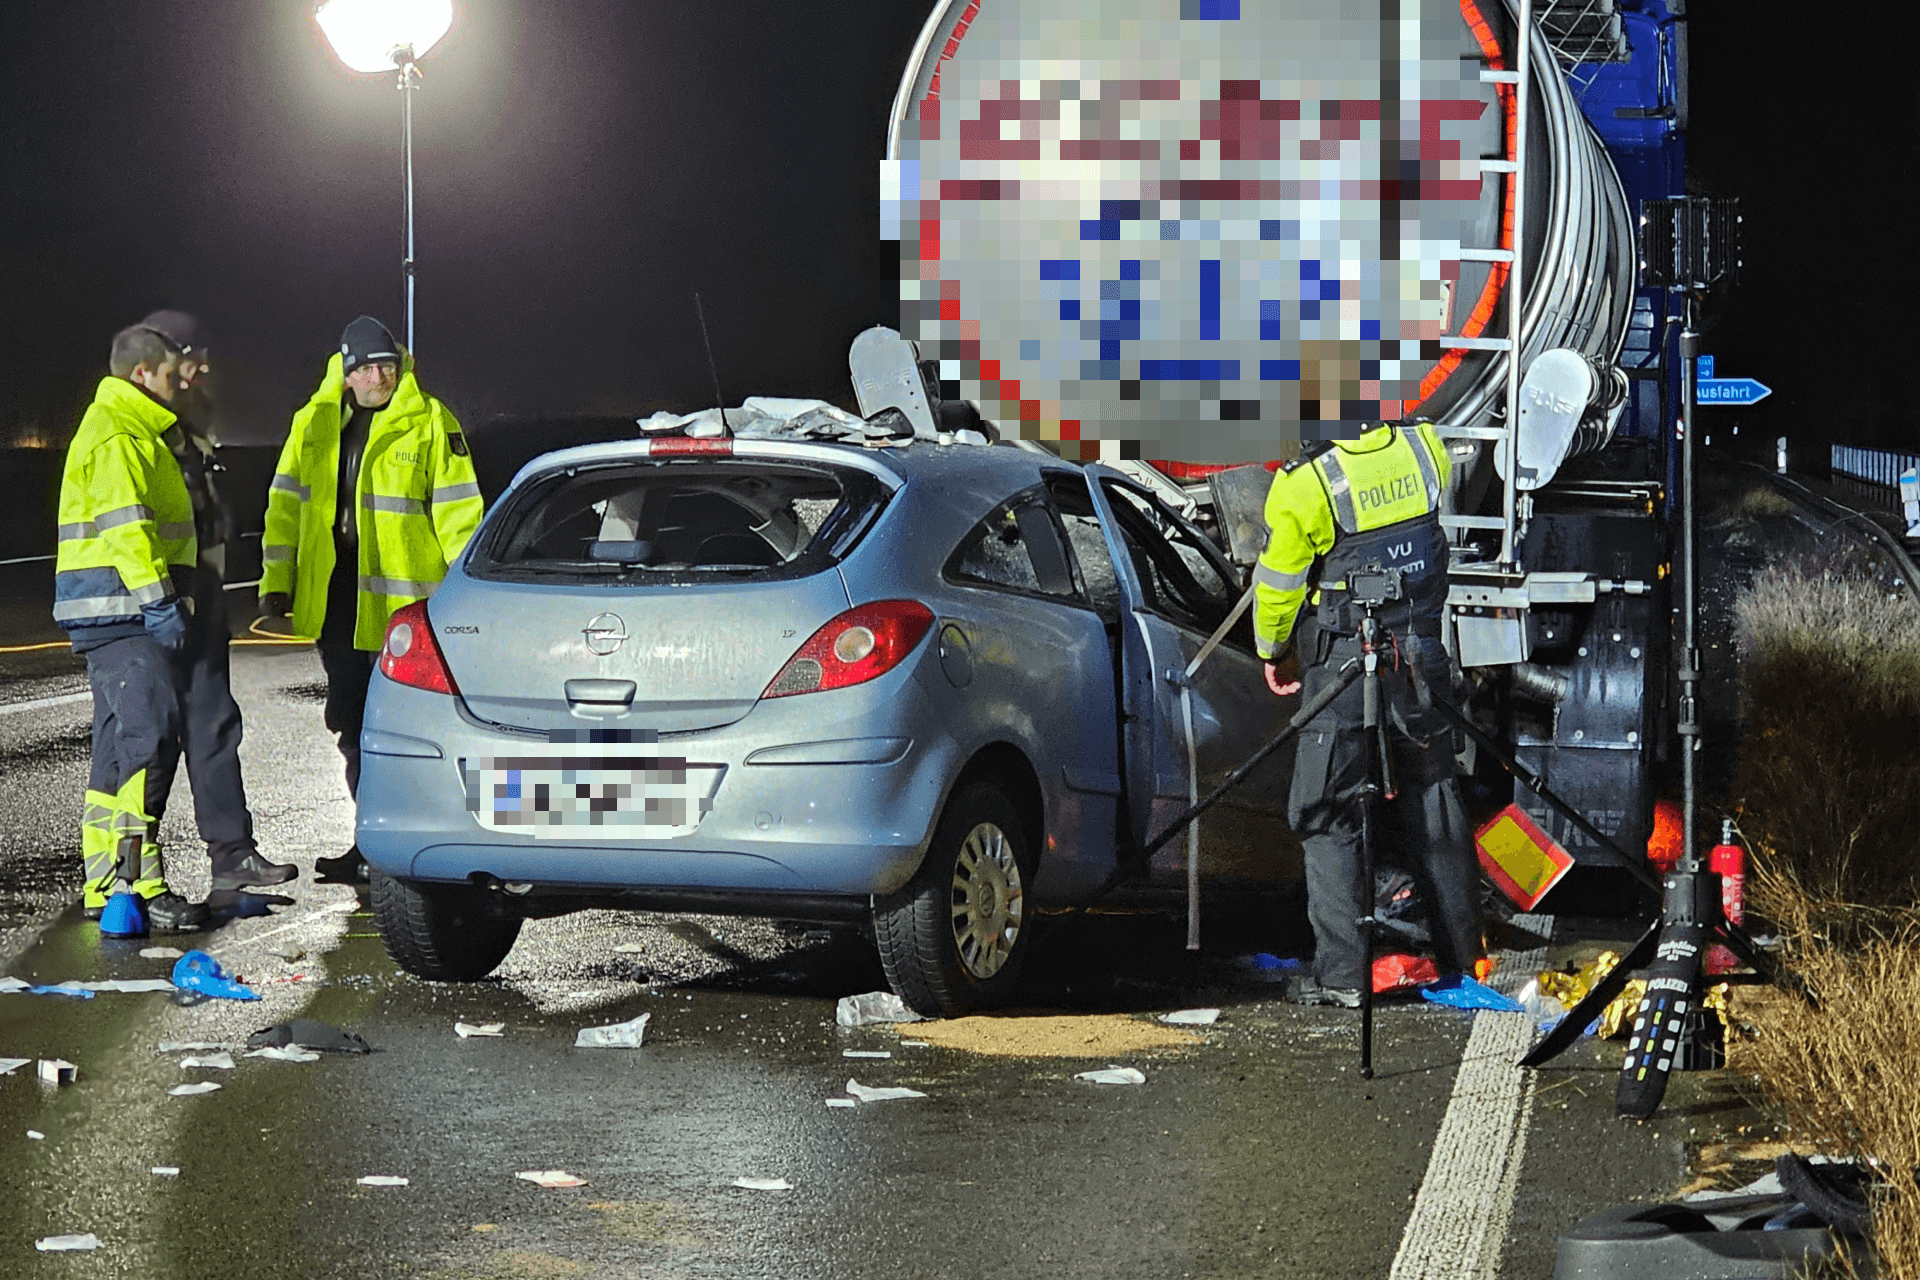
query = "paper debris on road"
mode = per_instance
[
  {"x": 1192, "y": 1017},
  {"x": 67, "y": 1244},
  {"x": 630, "y": 948},
  {"x": 129, "y": 985},
  {"x": 189, "y": 1090},
  {"x": 467, "y": 1029},
  {"x": 551, "y": 1178},
  {"x": 166, "y": 1171},
  {"x": 36, "y": 1135},
  {"x": 874, "y": 1006},
  {"x": 57, "y": 1071},
  {"x": 285, "y": 1053},
  {"x": 882, "y": 1094},
  {"x": 1113, "y": 1075},
  {"x": 217, "y": 1061},
  {"x": 11, "y": 983},
  {"x": 865, "y": 1053},
  {"x": 842, "y": 1102},
  {"x": 382, "y": 1180},
  {"x": 161, "y": 953},
  {"x": 763, "y": 1184},
  {"x": 10, "y": 1065},
  {"x": 188, "y": 1046},
  {"x": 916, "y": 1044},
  {"x": 621, "y": 1035}
]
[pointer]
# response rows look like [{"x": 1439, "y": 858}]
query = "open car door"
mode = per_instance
[{"x": 1176, "y": 589}]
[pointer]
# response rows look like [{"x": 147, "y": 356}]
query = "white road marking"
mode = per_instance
[
  {"x": 42, "y": 704},
  {"x": 1459, "y": 1222}
]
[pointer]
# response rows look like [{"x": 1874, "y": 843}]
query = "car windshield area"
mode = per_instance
[{"x": 681, "y": 520}]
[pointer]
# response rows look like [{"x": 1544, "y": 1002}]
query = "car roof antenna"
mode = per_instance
[{"x": 712, "y": 368}]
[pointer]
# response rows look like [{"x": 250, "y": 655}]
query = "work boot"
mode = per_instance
[
  {"x": 171, "y": 913},
  {"x": 252, "y": 871},
  {"x": 1307, "y": 991},
  {"x": 349, "y": 868}
]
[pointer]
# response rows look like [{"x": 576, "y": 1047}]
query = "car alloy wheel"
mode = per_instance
[
  {"x": 954, "y": 938},
  {"x": 989, "y": 901}
]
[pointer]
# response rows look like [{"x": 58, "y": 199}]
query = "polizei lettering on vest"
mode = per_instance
[{"x": 1387, "y": 492}]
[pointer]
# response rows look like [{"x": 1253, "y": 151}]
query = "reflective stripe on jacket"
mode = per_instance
[
  {"x": 126, "y": 522},
  {"x": 1385, "y": 477},
  {"x": 417, "y": 502}
]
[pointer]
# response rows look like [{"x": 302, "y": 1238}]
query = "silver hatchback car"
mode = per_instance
[{"x": 940, "y": 686}]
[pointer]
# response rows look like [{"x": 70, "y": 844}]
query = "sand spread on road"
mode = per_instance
[{"x": 1039, "y": 1035}]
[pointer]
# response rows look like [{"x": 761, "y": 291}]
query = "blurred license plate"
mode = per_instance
[{"x": 601, "y": 791}]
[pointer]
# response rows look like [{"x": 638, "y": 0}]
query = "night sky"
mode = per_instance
[{"x": 583, "y": 166}]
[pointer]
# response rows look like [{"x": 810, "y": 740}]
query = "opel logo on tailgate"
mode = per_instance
[{"x": 605, "y": 634}]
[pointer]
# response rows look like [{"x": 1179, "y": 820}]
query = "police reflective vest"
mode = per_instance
[
  {"x": 416, "y": 497},
  {"x": 1354, "y": 504},
  {"x": 126, "y": 522}
]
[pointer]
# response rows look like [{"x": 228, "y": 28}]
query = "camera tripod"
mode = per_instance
[{"x": 1370, "y": 589}]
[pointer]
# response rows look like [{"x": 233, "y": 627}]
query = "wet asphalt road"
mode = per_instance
[{"x": 1257, "y": 1152}]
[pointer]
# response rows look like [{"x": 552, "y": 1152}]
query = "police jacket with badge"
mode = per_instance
[
  {"x": 1349, "y": 507},
  {"x": 417, "y": 501}
]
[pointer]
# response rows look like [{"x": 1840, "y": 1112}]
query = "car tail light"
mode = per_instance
[
  {"x": 411, "y": 656},
  {"x": 866, "y": 641},
  {"x": 683, "y": 446}
]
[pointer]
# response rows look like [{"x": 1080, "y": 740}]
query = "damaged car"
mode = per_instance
[{"x": 885, "y": 677}]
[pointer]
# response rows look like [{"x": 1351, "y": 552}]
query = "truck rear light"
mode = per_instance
[
  {"x": 411, "y": 656},
  {"x": 866, "y": 641},
  {"x": 688, "y": 446}
]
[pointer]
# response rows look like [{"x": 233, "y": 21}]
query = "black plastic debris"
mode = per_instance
[
  {"x": 308, "y": 1034},
  {"x": 1768, "y": 1236}
]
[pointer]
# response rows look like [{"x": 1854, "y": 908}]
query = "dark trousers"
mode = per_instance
[
  {"x": 1422, "y": 831},
  {"x": 136, "y": 718},
  {"x": 210, "y": 727},
  {"x": 348, "y": 671}
]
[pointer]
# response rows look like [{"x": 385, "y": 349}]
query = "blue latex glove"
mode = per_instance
[
  {"x": 199, "y": 972},
  {"x": 167, "y": 624},
  {"x": 1462, "y": 992}
]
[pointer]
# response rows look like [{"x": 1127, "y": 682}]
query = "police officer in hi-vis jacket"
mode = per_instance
[
  {"x": 373, "y": 498},
  {"x": 1372, "y": 503}
]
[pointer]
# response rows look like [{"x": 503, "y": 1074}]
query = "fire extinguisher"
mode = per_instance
[{"x": 1729, "y": 861}]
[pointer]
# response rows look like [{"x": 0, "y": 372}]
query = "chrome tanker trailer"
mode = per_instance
[{"x": 1204, "y": 233}]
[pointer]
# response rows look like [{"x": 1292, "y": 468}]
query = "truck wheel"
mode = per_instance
[
  {"x": 954, "y": 939},
  {"x": 447, "y": 932}
]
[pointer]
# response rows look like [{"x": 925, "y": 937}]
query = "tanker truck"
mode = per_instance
[{"x": 1204, "y": 234}]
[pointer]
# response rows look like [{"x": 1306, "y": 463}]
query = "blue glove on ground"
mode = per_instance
[{"x": 167, "y": 624}]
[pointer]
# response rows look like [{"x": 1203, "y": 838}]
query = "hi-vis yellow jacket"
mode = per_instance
[
  {"x": 417, "y": 502},
  {"x": 1389, "y": 476},
  {"x": 126, "y": 521}
]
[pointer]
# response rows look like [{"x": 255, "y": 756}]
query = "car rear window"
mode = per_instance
[{"x": 680, "y": 520}]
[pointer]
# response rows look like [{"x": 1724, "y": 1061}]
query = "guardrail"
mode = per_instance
[{"x": 1871, "y": 474}]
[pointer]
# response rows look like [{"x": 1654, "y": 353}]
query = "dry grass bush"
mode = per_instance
[
  {"x": 1842, "y": 1075},
  {"x": 1763, "y": 500},
  {"x": 1829, "y": 768},
  {"x": 1830, "y": 775}
]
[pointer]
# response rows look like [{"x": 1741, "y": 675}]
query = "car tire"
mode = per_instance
[
  {"x": 446, "y": 932},
  {"x": 954, "y": 939}
]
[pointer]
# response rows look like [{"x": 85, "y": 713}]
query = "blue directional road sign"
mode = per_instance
[{"x": 1708, "y": 389}]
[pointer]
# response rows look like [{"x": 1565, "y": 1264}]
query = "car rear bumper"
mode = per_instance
[{"x": 826, "y": 793}]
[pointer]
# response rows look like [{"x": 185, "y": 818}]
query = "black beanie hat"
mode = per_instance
[
  {"x": 366, "y": 339},
  {"x": 180, "y": 330}
]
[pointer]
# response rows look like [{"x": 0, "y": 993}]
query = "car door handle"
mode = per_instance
[{"x": 604, "y": 693}]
